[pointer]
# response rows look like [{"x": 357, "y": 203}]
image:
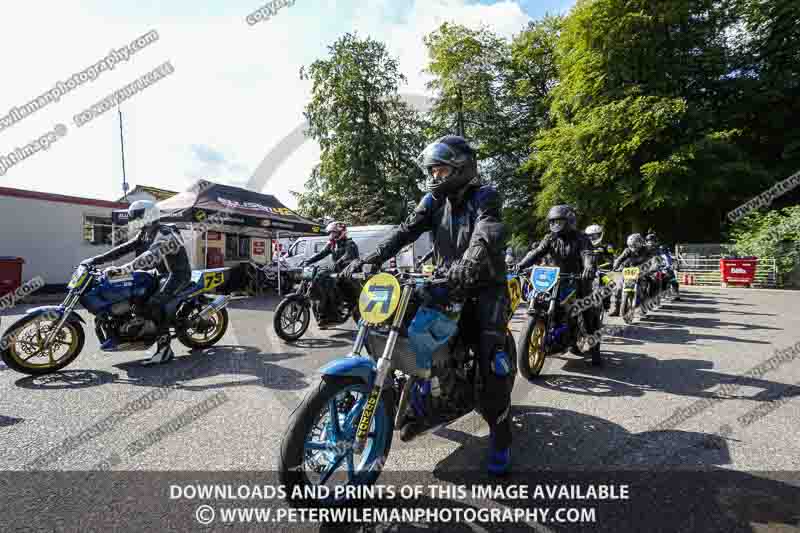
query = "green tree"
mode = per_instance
[
  {"x": 368, "y": 136},
  {"x": 639, "y": 133},
  {"x": 773, "y": 234}
]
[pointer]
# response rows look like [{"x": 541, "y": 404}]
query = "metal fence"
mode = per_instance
[{"x": 705, "y": 268}]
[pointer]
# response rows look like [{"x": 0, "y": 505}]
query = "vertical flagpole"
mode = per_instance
[{"x": 122, "y": 148}]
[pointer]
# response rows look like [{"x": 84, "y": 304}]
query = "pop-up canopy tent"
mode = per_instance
[{"x": 213, "y": 206}]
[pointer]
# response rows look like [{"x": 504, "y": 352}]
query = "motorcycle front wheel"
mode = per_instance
[
  {"x": 291, "y": 319},
  {"x": 531, "y": 348},
  {"x": 627, "y": 307},
  {"x": 23, "y": 346},
  {"x": 317, "y": 448}
]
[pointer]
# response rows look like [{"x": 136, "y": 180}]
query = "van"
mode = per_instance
[{"x": 366, "y": 238}]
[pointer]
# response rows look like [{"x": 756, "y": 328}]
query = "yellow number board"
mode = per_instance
[
  {"x": 212, "y": 280},
  {"x": 379, "y": 298},
  {"x": 630, "y": 273}
]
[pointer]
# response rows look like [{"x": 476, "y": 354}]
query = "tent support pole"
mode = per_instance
[
  {"x": 278, "y": 237},
  {"x": 206, "y": 250}
]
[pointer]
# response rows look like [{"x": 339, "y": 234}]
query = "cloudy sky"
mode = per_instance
[{"x": 234, "y": 94}]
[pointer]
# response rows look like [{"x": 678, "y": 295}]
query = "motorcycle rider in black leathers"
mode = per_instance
[
  {"x": 604, "y": 252},
  {"x": 635, "y": 254},
  {"x": 343, "y": 251},
  {"x": 651, "y": 241},
  {"x": 157, "y": 247},
  {"x": 464, "y": 218},
  {"x": 570, "y": 250}
]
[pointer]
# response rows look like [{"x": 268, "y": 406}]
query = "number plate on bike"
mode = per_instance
[
  {"x": 379, "y": 298},
  {"x": 630, "y": 273},
  {"x": 543, "y": 278}
]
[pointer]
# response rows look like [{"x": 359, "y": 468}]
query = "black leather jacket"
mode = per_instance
[
  {"x": 157, "y": 248},
  {"x": 570, "y": 250},
  {"x": 604, "y": 253},
  {"x": 343, "y": 251},
  {"x": 629, "y": 257},
  {"x": 468, "y": 226}
]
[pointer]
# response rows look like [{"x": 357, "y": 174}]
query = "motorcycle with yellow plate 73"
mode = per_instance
[
  {"x": 630, "y": 292},
  {"x": 410, "y": 335},
  {"x": 49, "y": 338},
  {"x": 551, "y": 328}
]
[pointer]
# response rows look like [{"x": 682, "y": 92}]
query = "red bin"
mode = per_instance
[
  {"x": 10, "y": 274},
  {"x": 738, "y": 271}
]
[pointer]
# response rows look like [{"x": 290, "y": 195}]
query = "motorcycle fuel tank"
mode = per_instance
[{"x": 133, "y": 286}]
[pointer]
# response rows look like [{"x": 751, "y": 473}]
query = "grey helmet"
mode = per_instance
[
  {"x": 635, "y": 241},
  {"x": 560, "y": 218},
  {"x": 455, "y": 152},
  {"x": 595, "y": 234}
]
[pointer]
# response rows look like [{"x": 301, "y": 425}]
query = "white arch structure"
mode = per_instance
[{"x": 296, "y": 138}]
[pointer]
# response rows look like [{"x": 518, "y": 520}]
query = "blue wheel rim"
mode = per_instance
[{"x": 331, "y": 451}]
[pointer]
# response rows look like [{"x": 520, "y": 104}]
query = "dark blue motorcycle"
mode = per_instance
[{"x": 49, "y": 338}]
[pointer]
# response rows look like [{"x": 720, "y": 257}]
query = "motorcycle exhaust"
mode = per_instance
[{"x": 218, "y": 303}]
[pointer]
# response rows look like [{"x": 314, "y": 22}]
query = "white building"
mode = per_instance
[{"x": 53, "y": 233}]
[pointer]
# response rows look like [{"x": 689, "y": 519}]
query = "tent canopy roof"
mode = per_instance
[{"x": 218, "y": 207}]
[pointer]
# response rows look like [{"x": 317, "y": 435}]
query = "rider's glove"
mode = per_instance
[
  {"x": 464, "y": 273},
  {"x": 588, "y": 273},
  {"x": 88, "y": 262},
  {"x": 352, "y": 268}
]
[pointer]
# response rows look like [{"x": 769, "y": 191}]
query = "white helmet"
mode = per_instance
[
  {"x": 595, "y": 233},
  {"x": 142, "y": 213},
  {"x": 337, "y": 230}
]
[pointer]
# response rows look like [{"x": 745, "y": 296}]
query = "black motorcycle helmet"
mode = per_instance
[
  {"x": 456, "y": 153},
  {"x": 560, "y": 218},
  {"x": 651, "y": 240}
]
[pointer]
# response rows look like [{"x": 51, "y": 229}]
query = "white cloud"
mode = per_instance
[{"x": 235, "y": 91}]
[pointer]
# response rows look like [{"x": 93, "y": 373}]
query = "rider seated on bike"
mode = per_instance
[
  {"x": 604, "y": 252},
  {"x": 655, "y": 248},
  {"x": 571, "y": 251},
  {"x": 173, "y": 269},
  {"x": 464, "y": 218},
  {"x": 343, "y": 251},
  {"x": 635, "y": 254}
]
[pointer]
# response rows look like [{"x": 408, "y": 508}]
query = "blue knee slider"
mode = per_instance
[{"x": 501, "y": 365}]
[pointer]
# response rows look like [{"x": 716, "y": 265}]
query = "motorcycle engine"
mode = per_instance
[{"x": 137, "y": 327}]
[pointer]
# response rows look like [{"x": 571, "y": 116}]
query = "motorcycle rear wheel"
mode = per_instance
[{"x": 200, "y": 340}]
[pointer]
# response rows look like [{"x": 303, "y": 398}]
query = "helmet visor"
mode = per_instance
[
  {"x": 135, "y": 214},
  {"x": 437, "y": 154},
  {"x": 557, "y": 225}
]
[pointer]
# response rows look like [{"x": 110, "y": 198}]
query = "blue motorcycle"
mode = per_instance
[
  {"x": 49, "y": 338},
  {"x": 553, "y": 325},
  {"x": 341, "y": 434}
]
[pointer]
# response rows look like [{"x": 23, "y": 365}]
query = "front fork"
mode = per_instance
[
  {"x": 384, "y": 366},
  {"x": 67, "y": 306}
]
